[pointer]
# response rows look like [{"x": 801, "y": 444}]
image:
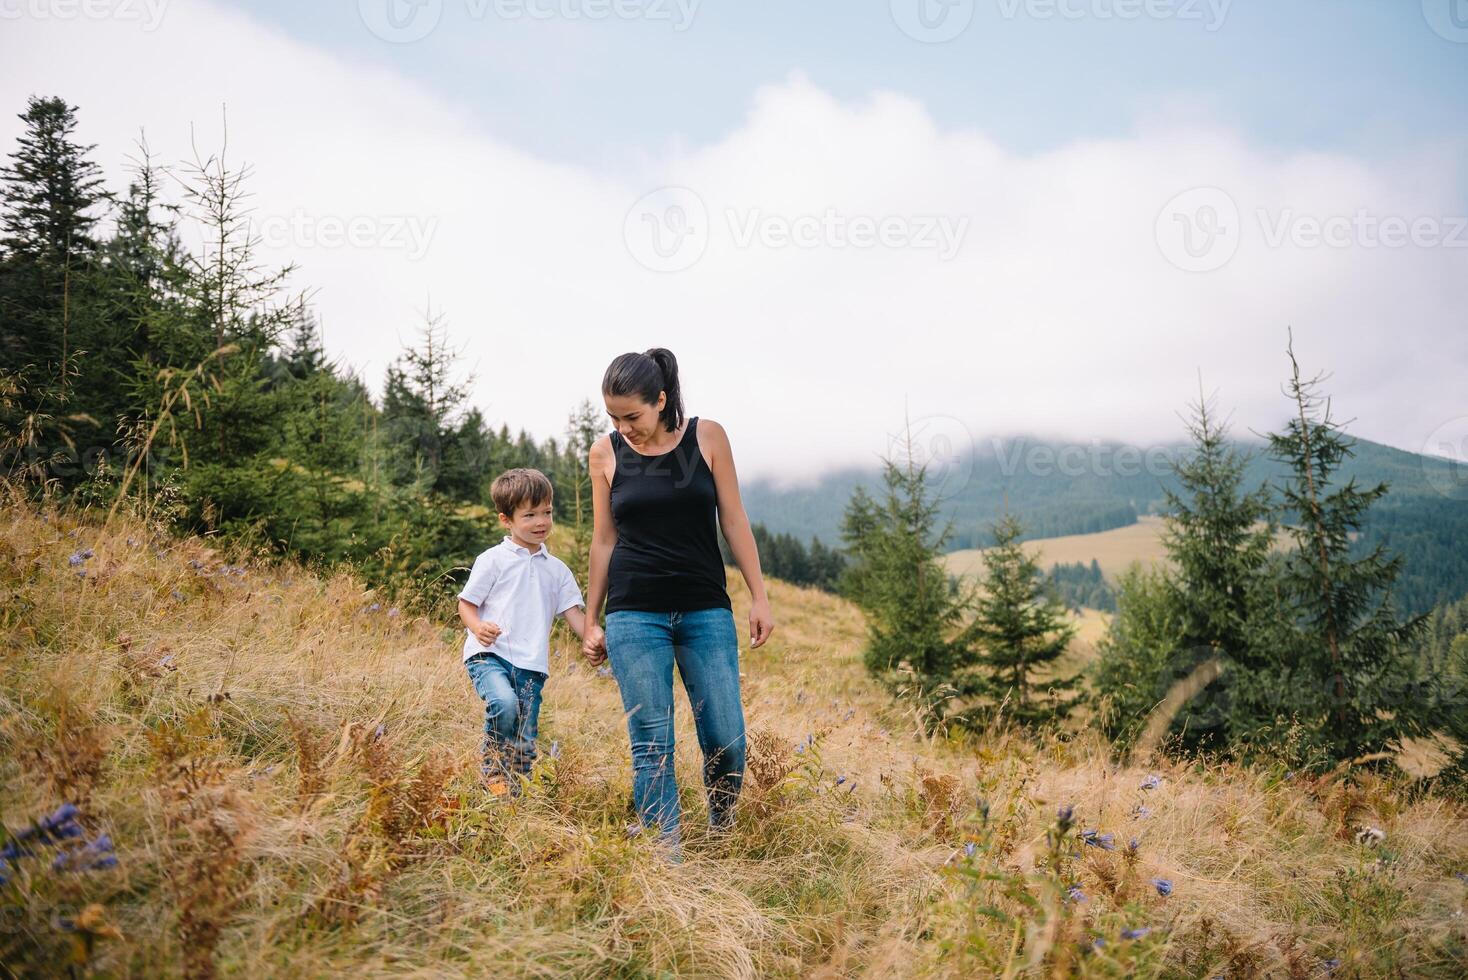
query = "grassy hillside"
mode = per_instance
[{"x": 284, "y": 764}]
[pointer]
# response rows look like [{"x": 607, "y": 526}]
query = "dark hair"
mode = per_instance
[
  {"x": 516, "y": 488},
  {"x": 644, "y": 375}
]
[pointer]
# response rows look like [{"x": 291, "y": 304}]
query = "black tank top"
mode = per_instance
[{"x": 667, "y": 553}]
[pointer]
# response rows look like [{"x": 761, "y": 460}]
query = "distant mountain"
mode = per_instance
[{"x": 1080, "y": 488}]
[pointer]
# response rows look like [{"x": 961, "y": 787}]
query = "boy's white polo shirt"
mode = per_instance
[{"x": 522, "y": 592}]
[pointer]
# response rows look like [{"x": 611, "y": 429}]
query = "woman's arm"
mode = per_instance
[
  {"x": 603, "y": 539},
  {"x": 735, "y": 524}
]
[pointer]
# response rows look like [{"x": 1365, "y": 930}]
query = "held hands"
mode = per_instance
[
  {"x": 487, "y": 633},
  {"x": 761, "y": 623},
  {"x": 594, "y": 645}
]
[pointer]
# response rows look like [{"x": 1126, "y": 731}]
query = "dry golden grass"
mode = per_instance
[
  {"x": 289, "y": 777},
  {"x": 1113, "y": 550}
]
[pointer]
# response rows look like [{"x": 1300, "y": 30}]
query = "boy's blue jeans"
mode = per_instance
[
  {"x": 642, "y": 648},
  {"x": 511, "y": 712}
]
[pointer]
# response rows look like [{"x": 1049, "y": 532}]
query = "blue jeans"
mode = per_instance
[
  {"x": 642, "y": 648},
  {"x": 511, "y": 712}
]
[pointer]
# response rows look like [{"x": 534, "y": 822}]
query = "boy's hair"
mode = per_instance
[{"x": 516, "y": 488}]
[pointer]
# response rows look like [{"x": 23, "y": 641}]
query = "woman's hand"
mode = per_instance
[
  {"x": 761, "y": 623},
  {"x": 594, "y": 645}
]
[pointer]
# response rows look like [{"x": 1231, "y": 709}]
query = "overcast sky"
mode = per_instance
[{"x": 1019, "y": 215}]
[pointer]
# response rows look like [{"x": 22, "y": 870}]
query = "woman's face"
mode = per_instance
[{"x": 634, "y": 418}]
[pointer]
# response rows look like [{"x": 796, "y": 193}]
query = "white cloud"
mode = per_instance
[{"x": 1059, "y": 315}]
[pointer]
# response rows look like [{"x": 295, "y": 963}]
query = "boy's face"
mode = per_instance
[
  {"x": 634, "y": 418},
  {"x": 530, "y": 523}
]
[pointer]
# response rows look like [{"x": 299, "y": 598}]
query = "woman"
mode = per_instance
[{"x": 658, "y": 481}]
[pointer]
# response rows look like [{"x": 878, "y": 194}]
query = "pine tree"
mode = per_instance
[
  {"x": 1022, "y": 628},
  {"x": 1217, "y": 537},
  {"x": 1354, "y": 670},
  {"x": 422, "y": 401},
  {"x": 49, "y": 194},
  {"x": 918, "y": 639},
  {"x": 50, "y": 190}
]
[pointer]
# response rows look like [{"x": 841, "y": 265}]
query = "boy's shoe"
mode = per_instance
[{"x": 498, "y": 786}]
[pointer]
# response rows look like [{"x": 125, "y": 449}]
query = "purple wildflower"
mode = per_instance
[
  {"x": 1331, "y": 965},
  {"x": 60, "y": 825},
  {"x": 1163, "y": 886},
  {"x": 604, "y": 671},
  {"x": 1151, "y": 782},
  {"x": 1065, "y": 813},
  {"x": 1133, "y": 845},
  {"x": 95, "y": 856},
  {"x": 633, "y": 829},
  {"x": 969, "y": 849},
  {"x": 840, "y": 780},
  {"x": 75, "y": 559},
  {"x": 1136, "y": 933},
  {"x": 1074, "y": 894},
  {"x": 393, "y": 613},
  {"x": 1142, "y": 812},
  {"x": 1094, "y": 838}
]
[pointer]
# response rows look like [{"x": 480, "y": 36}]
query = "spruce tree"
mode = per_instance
[
  {"x": 918, "y": 641},
  {"x": 1354, "y": 677},
  {"x": 1217, "y": 537},
  {"x": 422, "y": 403},
  {"x": 1022, "y": 628},
  {"x": 51, "y": 189},
  {"x": 50, "y": 194}
]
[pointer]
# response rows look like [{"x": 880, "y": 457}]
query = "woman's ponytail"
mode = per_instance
[
  {"x": 644, "y": 375},
  {"x": 672, "y": 414}
]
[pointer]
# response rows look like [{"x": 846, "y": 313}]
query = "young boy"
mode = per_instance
[{"x": 514, "y": 593}]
